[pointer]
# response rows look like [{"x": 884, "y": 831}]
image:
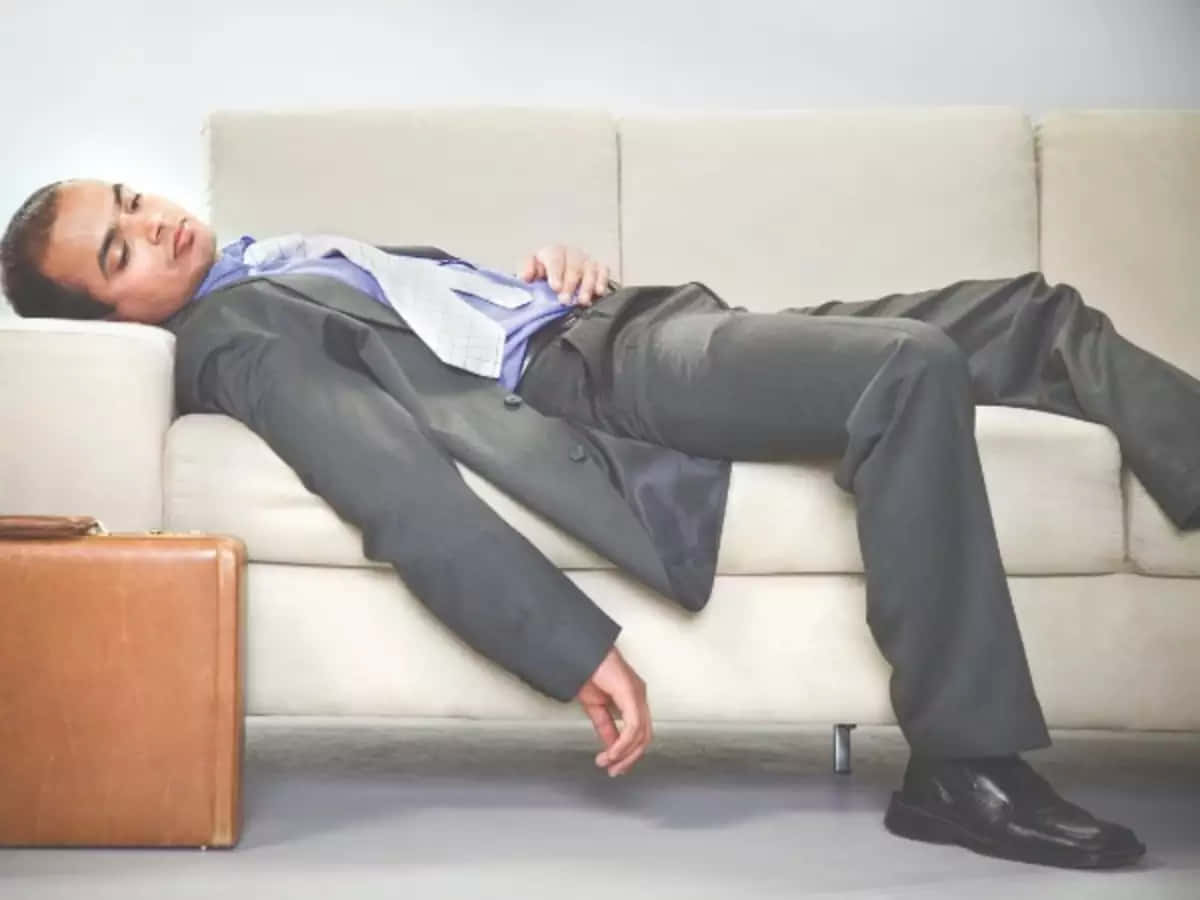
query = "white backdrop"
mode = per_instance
[{"x": 118, "y": 89}]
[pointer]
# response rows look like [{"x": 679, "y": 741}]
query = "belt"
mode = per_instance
[{"x": 548, "y": 333}]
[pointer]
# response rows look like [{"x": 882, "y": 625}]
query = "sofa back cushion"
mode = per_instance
[
  {"x": 1121, "y": 220},
  {"x": 786, "y": 209},
  {"x": 489, "y": 184}
]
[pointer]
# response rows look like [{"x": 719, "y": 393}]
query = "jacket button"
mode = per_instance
[
  {"x": 578, "y": 454},
  {"x": 512, "y": 401}
]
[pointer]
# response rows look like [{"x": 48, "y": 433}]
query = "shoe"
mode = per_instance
[{"x": 1001, "y": 807}]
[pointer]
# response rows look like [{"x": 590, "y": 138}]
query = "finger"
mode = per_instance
[
  {"x": 641, "y": 741},
  {"x": 630, "y": 732},
  {"x": 571, "y": 279},
  {"x": 636, "y": 748},
  {"x": 529, "y": 270},
  {"x": 587, "y": 285},
  {"x": 611, "y": 736},
  {"x": 553, "y": 260},
  {"x": 602, "y": 721},
  {"x": 601, "y": 280},
  {"x": 628, "y": 763}
]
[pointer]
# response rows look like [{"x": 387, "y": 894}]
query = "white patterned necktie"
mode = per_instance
[{"x": 421, "y": 291}]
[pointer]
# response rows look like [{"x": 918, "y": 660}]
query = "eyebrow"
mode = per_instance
[{"x": 102, "y": 256}]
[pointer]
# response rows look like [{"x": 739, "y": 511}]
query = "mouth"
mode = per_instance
[{"x": 183, "y": 238}]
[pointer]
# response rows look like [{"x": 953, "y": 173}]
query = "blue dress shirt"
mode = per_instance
[{"x": 519, "y": 324}]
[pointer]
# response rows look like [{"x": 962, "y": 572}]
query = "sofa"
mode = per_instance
[{"x": 770, "y": 209}]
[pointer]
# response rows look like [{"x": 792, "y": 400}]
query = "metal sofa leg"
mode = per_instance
[{"x": 841, "y": 748}]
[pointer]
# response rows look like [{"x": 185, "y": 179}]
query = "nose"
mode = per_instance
[
  {"x": 149, "y": 225},
  {"x": 154, "y": 227}
]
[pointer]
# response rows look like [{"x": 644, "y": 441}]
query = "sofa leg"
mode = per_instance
[{"x": 841, "y": 748}]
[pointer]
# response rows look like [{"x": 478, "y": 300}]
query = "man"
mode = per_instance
[{"x": 327, "y": 350}]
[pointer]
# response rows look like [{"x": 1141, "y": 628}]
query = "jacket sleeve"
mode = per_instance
[{"x": 361, "y": 450}]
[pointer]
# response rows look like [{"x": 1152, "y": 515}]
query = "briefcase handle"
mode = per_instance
[{"x": 26, "y": 527}]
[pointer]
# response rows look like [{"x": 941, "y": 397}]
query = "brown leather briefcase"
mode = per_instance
[{"x": 121, "y": 668}]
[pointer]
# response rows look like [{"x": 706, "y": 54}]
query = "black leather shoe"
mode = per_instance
[{"x": 1001, "y": 807}]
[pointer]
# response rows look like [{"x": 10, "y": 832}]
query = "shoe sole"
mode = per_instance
[{"x": 916, "y": 824}]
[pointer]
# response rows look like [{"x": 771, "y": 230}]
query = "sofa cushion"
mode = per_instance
[
  {"x": 1120, "y": 214},
  {"x": 1156, "y": 546},
  {"x": 1053, "y": 486},
  {"x": 1052, "y": 481},
  {"x": 84, "y": 408},
  {"x": 1107, "y": 651},
  {"x": 492, "y": 185},
  {"x": 1121, "y": 221},
  {"x": 778, "y": 209},
  {"x": 222, "y": 477}
]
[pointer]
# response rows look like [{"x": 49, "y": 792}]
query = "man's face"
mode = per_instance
[{"x": 138, "y": 253}]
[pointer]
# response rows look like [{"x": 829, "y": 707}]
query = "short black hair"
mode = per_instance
[{"x": 22, "y": 248}]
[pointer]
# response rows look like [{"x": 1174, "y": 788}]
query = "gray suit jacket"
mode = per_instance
[{"x": 370, "y": 419}]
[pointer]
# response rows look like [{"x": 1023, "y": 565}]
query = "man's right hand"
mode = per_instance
[{"x": 615, "y": 684}]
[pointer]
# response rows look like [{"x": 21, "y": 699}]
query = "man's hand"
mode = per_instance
[
  {"x": 567, "y": 268},
  {"x": 614, "y": 682}
]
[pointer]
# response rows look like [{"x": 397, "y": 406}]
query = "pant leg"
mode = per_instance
[
  {"x": 1036, "y": 345},
  {"x": 892, "y": 397}
]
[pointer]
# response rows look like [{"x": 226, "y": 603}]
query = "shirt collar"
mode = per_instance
[{"x": 228, "y": 263}]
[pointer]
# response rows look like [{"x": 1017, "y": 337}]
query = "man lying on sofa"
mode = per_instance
[{"x": 615, "y": 412}]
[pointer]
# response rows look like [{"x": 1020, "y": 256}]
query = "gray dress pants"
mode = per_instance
[{"x": 889, "y": 386}]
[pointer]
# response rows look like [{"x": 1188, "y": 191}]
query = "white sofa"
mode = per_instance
[{"x": 769, "y": 209}]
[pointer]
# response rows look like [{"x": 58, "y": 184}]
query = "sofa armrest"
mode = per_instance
[{"x": 84, "y": 411}]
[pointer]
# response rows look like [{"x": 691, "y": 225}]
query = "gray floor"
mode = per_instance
[{"x": 489, "y": 810}]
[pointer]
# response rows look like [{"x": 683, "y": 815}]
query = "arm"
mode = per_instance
[
  {"x": 362, "y": 451},
  {"x": 614, "y": 685}
]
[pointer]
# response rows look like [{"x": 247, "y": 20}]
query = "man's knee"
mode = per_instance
[{"x": 933, "y": 352}]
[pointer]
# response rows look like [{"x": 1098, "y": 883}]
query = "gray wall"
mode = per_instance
[{"x": 119, "y": 89}]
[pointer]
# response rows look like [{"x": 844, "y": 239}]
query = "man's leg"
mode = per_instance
[
  {"x": 892, "y": 398},
  {"x": 1036, "y": 345}
]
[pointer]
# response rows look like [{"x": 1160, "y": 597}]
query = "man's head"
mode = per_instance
[{"x": 91, "y": 249}]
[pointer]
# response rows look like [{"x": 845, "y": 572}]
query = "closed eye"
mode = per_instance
[{"x": 134, "y": 204}]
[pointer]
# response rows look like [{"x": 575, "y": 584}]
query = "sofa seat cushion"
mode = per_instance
[
  {"x": 1053, "y": 482},
  {"x": 1156, "y": 546}
]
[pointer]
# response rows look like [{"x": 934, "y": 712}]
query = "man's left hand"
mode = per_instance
[
  {"x": 615, "y": 685},
  {"x": 567, "y": 269}
]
